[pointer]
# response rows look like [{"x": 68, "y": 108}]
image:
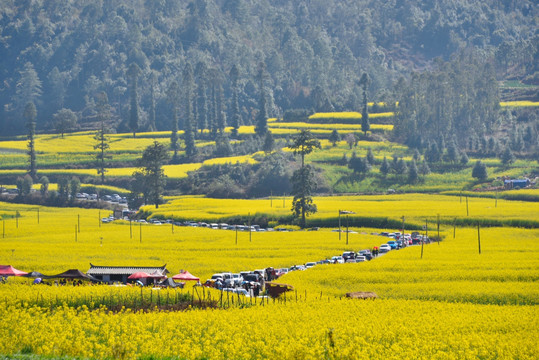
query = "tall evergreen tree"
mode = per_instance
[
  {"x": 479, "y": 171},
  {"x": 385, "y": 167},
  {"x": 152, "y": 174},
  {"x": 334, "y": 137},
  {"x": 133, "y": 73},
  {"x": 201, "y": 73},
  {"x": 507, "y": 156},
  {"x": 453, "y": 154},
  {"x": 370, "y": 157},
  {"x": 151, "y": 125},
  {"x": 221, "y": 115},
  {"x": 28, "y": 88},
  {"x": 359, "y": 165},
  {"x": 173, "y": 98},
  {"x": 235, "y": 120},
  {"x": 101, "y": 139},
  {"x": 303, "y": 183},
  {"x": 413, "y": 173},
  {"x": 365, "y": 124},
  {"x": 189, "y": 137},
  {"x": 269, "y": 143},
  {"x": 30, "y": 114},
  {"x": 261, "y": 122}
]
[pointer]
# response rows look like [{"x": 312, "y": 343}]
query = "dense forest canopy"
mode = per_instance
[{"x": 63, "y": 54}]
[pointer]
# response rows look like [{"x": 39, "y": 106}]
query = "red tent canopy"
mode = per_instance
[
  {"x": 8, "y": 270},
  {"x": 185, "y": 275}
]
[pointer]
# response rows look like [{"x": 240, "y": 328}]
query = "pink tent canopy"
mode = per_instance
[
  {"x": 8, "y": 270},
  {"x": 139, "y": 275},
  {"x": 185, "y": 275},
  {"x": 143, "y": 275}
]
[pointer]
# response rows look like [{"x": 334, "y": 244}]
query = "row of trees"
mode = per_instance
[{"x": 66, "y": 193}]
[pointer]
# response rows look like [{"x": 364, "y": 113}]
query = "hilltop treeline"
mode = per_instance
[{"x": 63, "y": 55}]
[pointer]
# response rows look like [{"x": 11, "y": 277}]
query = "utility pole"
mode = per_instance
[
  {"x": 403, "y": 240},
  {"x": 438, "y": 229},
  {"x": 479, "y": 237},
  {"x": 347, "y": 232},
  {"x": 339, "y": 225}
]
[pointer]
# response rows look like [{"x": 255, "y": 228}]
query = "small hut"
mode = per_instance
[{"x": 110, "y": 274}]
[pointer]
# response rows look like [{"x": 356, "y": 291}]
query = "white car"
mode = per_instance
[
  {"x": 310, "y": 265},
  {"x": 385, "y": 248},
  {"x": 337, "y": 260}
]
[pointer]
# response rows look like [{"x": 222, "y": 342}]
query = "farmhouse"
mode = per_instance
[
  {"x": 516, "y": 183},
  {"x": 121, "y": 273}
]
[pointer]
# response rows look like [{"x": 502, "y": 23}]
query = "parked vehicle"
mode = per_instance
[
  {"x": 238, "y": 279},
  {"x": 393, "y": 244},
  {"x": 240, "y": 291},
  {"x": 297, "y": 267},
  {"x": 310, "y": 265},
  {"x": 337, "y": 260},
  {"x": 281, "y": 272},
  {"x": 348, "y": 255},
  {"x": 384, "y": 248},
  {"x": 367, "y": 253}
]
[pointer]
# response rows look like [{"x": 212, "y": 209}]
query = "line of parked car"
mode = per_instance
[{"x": 245, "y": 281}]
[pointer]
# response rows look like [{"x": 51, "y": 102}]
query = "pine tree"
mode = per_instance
[
  {"x": 385, "y": 167},
  {"x": 30, "y": 115},
  {"x": 235, "y": 120},
  {"x": 359, "y": 165},
  {"x": 480, "y": 171},
  {"x": 269, "y": 143},
  {"x": 189, "y": 137},
  {"x": 151, "y": 125},
  {"x": 201, "y": 73},
  {"x": 424, "y": 169},
  {"x": 133, "y": 73},
  {"x": 453, "y": 152},
  {"x": 370, "y": 157},
  {"x": 101, "y": 139},
  {"x": 365, "y": 124},
  {"x": 303, "y": 182},
  {"x": 334, "y": 137},
  {"x": 152, "y": 175},
  {"x": 28, "y": 88},
  {"x": 464, "y": 158},
  {"x": 402, "y": 168},
  {"x": 261, "y": 127},
  {"x": 173, "y": 98},
  {"x": 413, "y": 173},
  {"x": 507, "y": 156}
]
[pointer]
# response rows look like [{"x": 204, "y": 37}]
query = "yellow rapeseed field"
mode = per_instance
[
  {"x": 415, "y": 207},
  {"x": 454, "y": 303},
  {"x": 349, "y": 115},
  {"x": 518, "y": 103}
]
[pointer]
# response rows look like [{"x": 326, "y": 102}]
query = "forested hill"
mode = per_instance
[{"x": 61, "y": 54}]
